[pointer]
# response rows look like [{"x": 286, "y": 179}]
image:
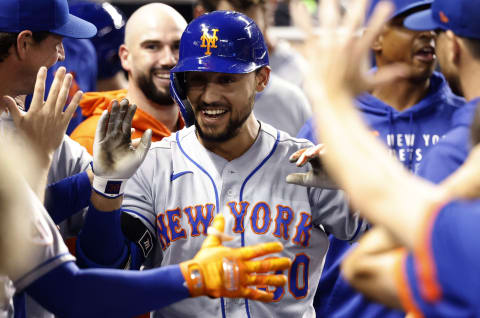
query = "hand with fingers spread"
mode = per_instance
[
  {"x": 45, "y": 123},
  {"x": 343, "y": 70},
  {"x": 115, "y": 156},
  {"x": 317, "y": 176},
  {"x": 220, "y": 271}
]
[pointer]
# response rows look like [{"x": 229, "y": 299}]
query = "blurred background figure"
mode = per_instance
[{"x": 110, "y": 22}]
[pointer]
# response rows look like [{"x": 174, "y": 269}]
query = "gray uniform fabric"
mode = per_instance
[
  {"x": 180, "y": 183},
  {"x": 287, "y": 63},
  {"x": 47, "y": 249},
  {"x": 282, "y": 105},
  {"x": 69, "y": 159}
]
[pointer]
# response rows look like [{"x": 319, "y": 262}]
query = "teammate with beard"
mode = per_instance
[{"x": 152, "y": 37}]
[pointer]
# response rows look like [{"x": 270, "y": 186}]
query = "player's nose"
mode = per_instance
[{"x": 210, "y": 94}]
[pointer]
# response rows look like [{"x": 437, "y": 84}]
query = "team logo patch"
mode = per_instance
[
  {"x": 113, "y": 187},
  {"x": 209, "y": 41},
  {"x": 443, "y": 17},
  {"x": 145, "y": 243}
]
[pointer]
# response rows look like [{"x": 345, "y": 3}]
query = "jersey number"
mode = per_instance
[{"x": 297, "y": 279}]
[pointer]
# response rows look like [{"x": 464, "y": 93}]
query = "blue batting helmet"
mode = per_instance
[
  {"x": 110, "y": 23},
  {"x": 222, "y": 42}
]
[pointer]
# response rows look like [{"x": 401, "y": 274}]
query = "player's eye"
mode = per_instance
[
  {"x": 226, "y": 79},
  {"x": 195, "y": 80}
]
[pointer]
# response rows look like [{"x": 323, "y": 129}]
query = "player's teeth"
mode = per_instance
[{"x": 214, "y": 112}]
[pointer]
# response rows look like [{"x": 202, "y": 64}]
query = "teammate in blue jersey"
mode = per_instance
[
  {"x": 451, "y": 152},
  {"x": 227, "y": 162},
  {"x": 409, "y": 116},
  {"x": 420, "y": 254}
]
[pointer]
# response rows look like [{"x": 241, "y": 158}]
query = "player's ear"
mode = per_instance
[
  {"x": 262, "y": 75},
  {"x": 24, "y": 43},
  {"x": 377, "y": 44},
  {"x": 124, "y": 55},
  {"x": 454, "y": 46}
]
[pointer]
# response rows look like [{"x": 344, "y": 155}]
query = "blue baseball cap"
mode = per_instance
[
  {"x": 43, "y": 15},
  {"x": 460, "y": 16},
  {"x": 401, "y": 6}
]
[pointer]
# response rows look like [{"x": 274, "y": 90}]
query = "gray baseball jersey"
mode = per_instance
[
  {"x": 69, "y": 159},
  {"x": 288, "y": 63},
  {"x": 282, "y": 105},
  {"x": 46, "y": 253},
  {"x": 181, "y": 186}
]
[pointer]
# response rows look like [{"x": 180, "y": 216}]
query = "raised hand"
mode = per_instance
[
  {"x": 219, "y": 271},
  {"x": 338, "y": 54},
  {"x": 45, "y": 123},
  {"x": 317, "y": 176},
  {"x": 115, "y": 157}
]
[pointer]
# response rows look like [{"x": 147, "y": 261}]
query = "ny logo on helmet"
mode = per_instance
[{"x": 209, "y": 41}]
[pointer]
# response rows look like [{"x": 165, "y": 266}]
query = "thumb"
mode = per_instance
[
  {"x": 213, "y": 239},
  {"x": 297, "y": 178},
  {"x": 13, "y": 109},
  {"x": 144, "y": 144}
]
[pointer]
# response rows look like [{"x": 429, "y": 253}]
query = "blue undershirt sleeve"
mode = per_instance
[
  {"x": 68, "y": 196},
  {"x": 101, "y": 242},
  {"x": 74, "y": 292}
]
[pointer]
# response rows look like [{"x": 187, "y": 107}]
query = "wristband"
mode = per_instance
[{"x": 110, "y": 188}]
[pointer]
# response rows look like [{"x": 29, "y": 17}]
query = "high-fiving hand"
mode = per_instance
[
  {"x": 338, "y": 54},
  {"x": 115, "y": 156},
  {"x": 45, "y": 123},
  {"x": 220, "y": 271},
  {"x": 317, "y": 176}
]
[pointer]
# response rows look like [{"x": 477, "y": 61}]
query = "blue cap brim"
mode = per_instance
[
  {"x": 76, "y": 28},
  {"x": 421, "y": 21}
]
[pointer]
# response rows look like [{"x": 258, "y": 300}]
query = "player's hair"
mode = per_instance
[
  {"x": 473, "y": 45},
  {"x": 7, "y": 39},
  {"x": 238, "y": 5}
]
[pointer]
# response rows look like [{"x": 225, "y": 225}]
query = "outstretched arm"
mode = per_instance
[{"x": 216, "y": 271}]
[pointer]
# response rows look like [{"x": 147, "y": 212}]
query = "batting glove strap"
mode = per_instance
[
  {"x": 192, "y": 273},
  {"x": 109, "y": 188}
]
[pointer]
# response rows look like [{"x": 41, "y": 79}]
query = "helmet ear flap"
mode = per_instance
[{"x": 178, "y": 90}]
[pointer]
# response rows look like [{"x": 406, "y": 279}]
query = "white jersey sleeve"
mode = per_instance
[{"x": 47, "y": 249}]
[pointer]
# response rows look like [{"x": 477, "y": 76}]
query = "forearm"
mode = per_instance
[
  {"x": 68, "y": 196},
  {"x": 370, "y": 267},
  {"x": 104, "y": 292},
  {"x": 101, "y": 241},
  {"x": 383, "y": 191},
  {"x": 38, "y": 179}
]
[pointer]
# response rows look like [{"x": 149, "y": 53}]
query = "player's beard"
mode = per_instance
[
  {"x": 233, "y": 126},
  {"x": 150, "y": 90}
]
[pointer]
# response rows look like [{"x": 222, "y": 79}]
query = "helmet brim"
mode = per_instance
[{"x": 216, "y": 64}]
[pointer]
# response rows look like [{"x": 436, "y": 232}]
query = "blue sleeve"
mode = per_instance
[
  {"x": 101, "y": 242},
  {"x": 308, "y": 132},
  {"x": 67, "y": 197},
  {"x": 440, "y": 162},
  {"x": 73, "y": 292},
  {"x": 448, "y": 263},
  {"x": 455, "y": 249}
]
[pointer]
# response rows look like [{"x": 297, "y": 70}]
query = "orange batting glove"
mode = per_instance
[{"x": 219, "y": 271}]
